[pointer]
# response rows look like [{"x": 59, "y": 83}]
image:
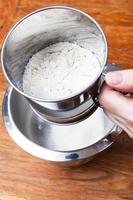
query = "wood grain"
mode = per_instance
[{"x": 110, "y": 175}]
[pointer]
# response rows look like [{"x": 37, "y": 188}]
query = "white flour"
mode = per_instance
[{"x": 59, "y": 71}]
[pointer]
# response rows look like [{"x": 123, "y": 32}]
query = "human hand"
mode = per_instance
[{"x": 117, "y": 106}]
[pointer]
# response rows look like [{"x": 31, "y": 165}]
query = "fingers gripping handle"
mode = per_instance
[{"x": 108, "y": 68}]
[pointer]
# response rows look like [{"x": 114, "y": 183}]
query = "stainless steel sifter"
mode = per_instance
[{"x": 38, "y": 30}]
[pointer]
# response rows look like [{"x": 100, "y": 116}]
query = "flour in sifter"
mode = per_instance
[{"x": 60, "y": 71}]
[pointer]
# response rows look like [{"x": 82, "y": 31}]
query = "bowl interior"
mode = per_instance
[{"x": 58, "y": 137}]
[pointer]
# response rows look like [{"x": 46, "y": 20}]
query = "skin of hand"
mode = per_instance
[{"x": 117, "y": 105}]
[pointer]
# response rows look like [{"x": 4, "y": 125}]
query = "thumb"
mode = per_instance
[{"x": 120, "y": 80}]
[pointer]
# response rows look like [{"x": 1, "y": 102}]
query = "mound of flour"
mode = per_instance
[{"x": 59, "y": 71}]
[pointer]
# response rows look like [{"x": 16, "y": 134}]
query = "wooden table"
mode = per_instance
[{"x": 110, "y": 175}]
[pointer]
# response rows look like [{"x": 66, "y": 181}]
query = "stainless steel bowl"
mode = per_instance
[
  {"x": 68, "y": 145},
  {"x": 40, "y": 29}
]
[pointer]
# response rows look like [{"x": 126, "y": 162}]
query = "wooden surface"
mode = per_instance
[{"x": 110, "y": 175}]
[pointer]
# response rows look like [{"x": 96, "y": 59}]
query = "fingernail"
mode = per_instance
[{"x": 114, "y": 78}]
